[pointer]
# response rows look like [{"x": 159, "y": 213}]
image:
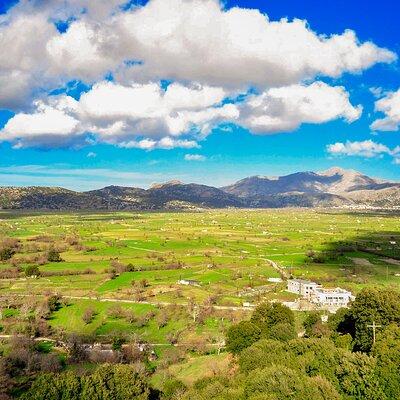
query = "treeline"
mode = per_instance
[{"x": 334, "y": 359}]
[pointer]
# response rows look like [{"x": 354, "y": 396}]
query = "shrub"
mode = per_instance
[
  {"x": 53, "y": 256},
  {"x": 32, "y": 270}
]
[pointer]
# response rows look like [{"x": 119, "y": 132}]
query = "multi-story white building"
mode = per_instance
[
  {"x": 323, "y": 297},
  {"x": 337, "y": 297},
  {"x": 302, "y": 287}
]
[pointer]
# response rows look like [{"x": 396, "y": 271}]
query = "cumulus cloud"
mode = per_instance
[
  {"x": 390, "y": 106},
  {"x": 237, "y": 46},
  {"x": 212, "y": 57},
  {"x": 147, "y": 117},
  {"x": 182, "y": 40},
  {"x": 194, "y": 157},
  {"x": 366, "y": 148},
  {"x": 286, "y": 108},
  {"x": 48, "y": 126}
]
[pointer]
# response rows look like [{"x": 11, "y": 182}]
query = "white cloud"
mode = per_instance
[
  {"x": 194, "y": 157},
  {"x": 182, "y": 40},
  {"x": 236, "y": 47},
  {"x": 146, "y": 116},
  {"x": 165, "y": 143},
  {"x": 390, "y": 106},
  {"x": 366, "y": 148},
  {"x": 210, "y": 53},
  {"x": 48, "y": 126},
  {"x": 286, "y": 108}
]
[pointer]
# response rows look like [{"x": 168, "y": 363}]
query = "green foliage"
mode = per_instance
[
  {"x": 32, "y": 270},
  {"x": 370, "y": 305},
  {"x": 6, "y": 253},
  {"x": 314, "y": 327},
  {"x": 282, "y": 383},
  {"x": 173, "y": 388},
  {"x": 351, "y": 374},
  {"x": 53, "y": 303},
  {"x": 54, "y": 256},
  {"x": 387, "y": 353},
  {"x": 282, "y": 332},
  {"x": 117, "y": 343},
  {"x": 242, "y": 335},
  {"x": 217, "y": 388},
  {"x": 117, "y": 382},
  {"x": 267, "y": 315},
  {"x": 355, "y": 373}
]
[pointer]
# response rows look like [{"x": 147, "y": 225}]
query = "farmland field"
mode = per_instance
[{"x": 123, "y": 268}]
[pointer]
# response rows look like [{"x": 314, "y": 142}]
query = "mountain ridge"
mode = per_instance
[{"x": 335, "y": 187}]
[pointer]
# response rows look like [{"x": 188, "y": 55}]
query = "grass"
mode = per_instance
[
  {"x": 196, "y": 368},
  {"x": 224, "y": 250}
]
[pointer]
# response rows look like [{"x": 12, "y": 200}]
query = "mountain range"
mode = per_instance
[{"x": 335, "y": 187}]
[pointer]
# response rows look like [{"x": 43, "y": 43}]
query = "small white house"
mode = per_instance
[
  {"x": 188, "y": 282},
  {"x": 275, "y": 280},
  {"x": 302, "y": 287}
]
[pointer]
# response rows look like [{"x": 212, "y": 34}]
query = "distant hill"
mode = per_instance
[{"x": 335, "y": 187}]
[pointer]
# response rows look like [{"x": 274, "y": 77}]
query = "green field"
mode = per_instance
[{"x": 225, "y": 251}]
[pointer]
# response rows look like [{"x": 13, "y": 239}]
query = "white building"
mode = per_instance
[
  {"x": 331, "y": 297},
  {"x": 322, "y": 297},
  {"x": 188, "y": 282},
  {"x": 302, "y": 287}
]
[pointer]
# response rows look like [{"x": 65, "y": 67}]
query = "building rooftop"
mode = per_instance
[
  {"x": 332, "y": 290},
  {"x": 303, "y": 281}
]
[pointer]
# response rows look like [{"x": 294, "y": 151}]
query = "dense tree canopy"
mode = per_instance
[{"x": 117, "y": 382}]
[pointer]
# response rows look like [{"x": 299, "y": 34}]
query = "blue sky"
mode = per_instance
[{"x": 87, "y": 148}]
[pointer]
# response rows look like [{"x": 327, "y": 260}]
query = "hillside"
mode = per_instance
[{"x": 332, "y": 188}]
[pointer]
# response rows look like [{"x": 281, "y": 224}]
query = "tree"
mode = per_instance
[
  {"x": 282, "y": 332},
  {"x": 45, "y": 387},
  {"x": 119, "y": 382},
  {"x": 53, "y": 303},
  {"x": 53, "y": 255},
  {"x": 6, "y": 253},
  {"x": 172, "y": 388},
  {"x": 314, "y": 327},
  {"x": 241, "y": 336},
  {"x": 387, "y": 353},
  {"x": 371, "y": 305},
  {"x": 267, "y": 315},
  {"x": 32, "y": 270},
  {"x": 75, "y": 348},
  {"x": 356, "y": 376},
  {"x": 282, "y": 383},
  {"x": 88, "y": 315}
]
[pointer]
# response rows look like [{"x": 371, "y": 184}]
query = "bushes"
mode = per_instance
[
  {"x": 282, "y": 383},
  {"x": 241, "y": 336},
  {"x": 274, "y": 321},
  {"x": 88, "y": 315},
  {"x": 53, "y": 255},
  {"x": 370, "y": 305},
  {"x": 118, "y": 382},
  {"x": 32, "y": 270},
  {"x": 266, "y": 316},
  {"x": 6, "y": 253}
]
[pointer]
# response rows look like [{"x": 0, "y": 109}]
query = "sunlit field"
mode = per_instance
[{"x": 135, "y": 260}]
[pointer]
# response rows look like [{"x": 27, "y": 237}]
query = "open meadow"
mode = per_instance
[{"x": 181, "y": 279}]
